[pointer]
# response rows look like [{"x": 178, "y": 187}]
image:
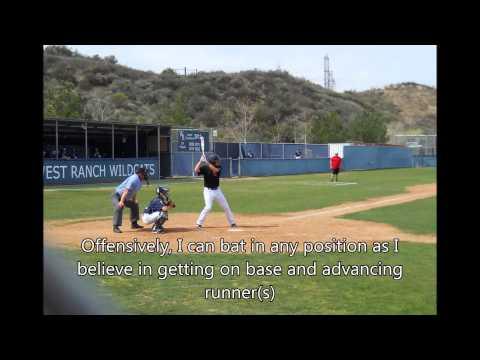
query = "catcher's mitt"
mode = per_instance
[{"x": 171, "y": 203}]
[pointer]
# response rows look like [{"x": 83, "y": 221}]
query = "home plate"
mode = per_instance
[{"x": 235, "y": 229}]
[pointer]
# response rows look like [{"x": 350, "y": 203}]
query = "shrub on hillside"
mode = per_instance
[
  {"x": 328, "y": 128},
  {"x": 111, "y": 59},
  {"x": 119, "y": 99},
  {"x": 62, "y": 71},
  {"x": 59, "y": 50},
  {"x": 368, "y": 127},
  {"x": 97, "y": 79}
]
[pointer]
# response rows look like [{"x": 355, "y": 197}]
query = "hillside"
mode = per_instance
[
  {"x": 415, "y": 106},
  {"x": 276, "y": 105},
  {"x": 418, "y": 107}
]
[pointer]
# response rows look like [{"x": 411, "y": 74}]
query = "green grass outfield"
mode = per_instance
[
  {"x": 416, "y": 217},
  {"x": 415, "y": 293},
  {"x": 254, "y": 195}
]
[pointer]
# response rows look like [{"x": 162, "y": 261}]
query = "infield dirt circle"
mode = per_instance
[{"x": 312, "y": 225}]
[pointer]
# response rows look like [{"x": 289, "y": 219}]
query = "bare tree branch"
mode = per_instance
[
  {"x": 99, "y": 109},
  {"x": 243, "y": 121}
]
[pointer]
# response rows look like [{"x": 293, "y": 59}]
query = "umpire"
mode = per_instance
[{"x": 126, "y": 195}]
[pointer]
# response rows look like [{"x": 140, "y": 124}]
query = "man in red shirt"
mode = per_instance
[{"x": 335, "y": 164}]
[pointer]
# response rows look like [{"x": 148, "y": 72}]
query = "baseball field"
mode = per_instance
[{"x": 369, "y": 206}]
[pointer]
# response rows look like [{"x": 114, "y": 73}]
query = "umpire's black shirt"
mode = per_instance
[{"x": 210, "y": 180}]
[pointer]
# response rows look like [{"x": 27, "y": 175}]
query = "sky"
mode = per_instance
[{"x": 355, "y": 67}]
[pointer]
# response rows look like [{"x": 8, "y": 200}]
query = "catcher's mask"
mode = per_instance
[
  {"x": 144, "y": 172},
  {"x": 162, "y": 193}
]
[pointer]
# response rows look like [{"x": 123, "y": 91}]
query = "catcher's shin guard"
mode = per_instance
[{"x": 161, "y": 220}]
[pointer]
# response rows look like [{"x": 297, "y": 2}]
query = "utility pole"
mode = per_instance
[
  {"x": 245, "y": 126},
  {"x": 326, "y": 72},
  {"x": 295, "y": 130},
  {"x": 305, "y": 133},
  {"x": 328, "y": 79},
  {"x": 305, "y": 148}
]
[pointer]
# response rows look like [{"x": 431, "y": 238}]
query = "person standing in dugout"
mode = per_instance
[
  {"x": 210, "y": 169},
  {"x": 335, "y": 164},
  {"x": 126, "y": 195}
]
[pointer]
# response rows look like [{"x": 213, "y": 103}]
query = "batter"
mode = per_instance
[{"x": 210, "y": 169}]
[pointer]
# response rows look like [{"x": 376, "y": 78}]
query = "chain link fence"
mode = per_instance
[{"x": 420, "y": 145}]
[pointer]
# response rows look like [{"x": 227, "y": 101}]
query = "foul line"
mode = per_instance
[{"x": 368, "y": 205}]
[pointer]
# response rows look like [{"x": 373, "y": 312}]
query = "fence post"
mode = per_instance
[
  {"x": 86, "y": 141},
  {"x": 136, "y": 141},
  {"x": 193, "y": 174},
  {"x": 158, "y": 151},
  {"x": 261, "y": 150},
  {"x": 172, "y": 167},
  {"x": 283, "y": 151},
  {"x": 113, "y": 142},
  {"x": 56, "y": 138}
]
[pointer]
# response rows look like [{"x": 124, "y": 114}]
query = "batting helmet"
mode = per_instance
[{"x": 213, "y": 157}]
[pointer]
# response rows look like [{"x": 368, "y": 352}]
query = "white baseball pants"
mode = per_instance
[
  {"x": 150, "y": 218},
  {"x": 209, "y": 196}
]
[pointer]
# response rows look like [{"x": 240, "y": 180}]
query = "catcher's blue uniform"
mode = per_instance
[
  {"x": 153, "y": 213},
  {"x": 155, "y": 205}
]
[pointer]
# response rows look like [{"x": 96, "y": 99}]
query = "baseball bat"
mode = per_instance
[{"x": 202, "y": 146}]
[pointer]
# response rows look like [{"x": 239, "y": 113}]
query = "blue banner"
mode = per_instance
[
  {"x": 95, "y": 170},
  {"x": 270, "y": 167},
  {"x": 376, "y": 157},
  {"x": 189, "y": 140}
]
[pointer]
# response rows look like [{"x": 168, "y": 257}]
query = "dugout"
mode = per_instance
[{"x": 65, "y": 139}]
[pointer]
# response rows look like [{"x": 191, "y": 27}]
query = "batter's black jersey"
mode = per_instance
[{"x": 209, "y": 179}]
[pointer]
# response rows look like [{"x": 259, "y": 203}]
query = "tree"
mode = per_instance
[
  {"x": 98, "y": 109},
  {"x": 369, "y": 127},
  {"x": 62, "y": 100},
  {"x": 111, "y": 59},
  {"x": 243, "y": 122},
  {"x": 64, "y": 72},
  {"x": 264, "y": 120},
  {"x": 169, "y": 71},
  {"x": 327, "y": 128},
  {"x": 59, "y": 50},
  {"x": 119, "y": 99},
  {"x": 176, "y": 112}
]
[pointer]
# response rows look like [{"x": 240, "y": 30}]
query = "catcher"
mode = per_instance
[{"x": 156, "y": 212}]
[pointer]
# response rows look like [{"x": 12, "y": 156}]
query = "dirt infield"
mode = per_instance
[{"x": 311, "y": 225}]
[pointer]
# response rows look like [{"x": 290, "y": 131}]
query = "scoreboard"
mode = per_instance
[{"x": 189, "y": 140}]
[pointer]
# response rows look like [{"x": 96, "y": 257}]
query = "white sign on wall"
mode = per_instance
[{"x": 336, "y": 148}]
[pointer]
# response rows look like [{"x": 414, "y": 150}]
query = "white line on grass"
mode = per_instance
[{"x": 368, "y": 205}]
